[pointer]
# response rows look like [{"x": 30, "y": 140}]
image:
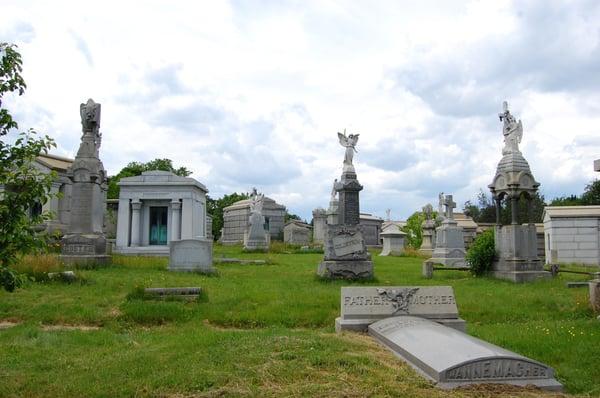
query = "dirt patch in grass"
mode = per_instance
[
  {"x": 214, "y": 326},
  {"x": 7, "y": 324},
  {"x": 85, "y": 328}
]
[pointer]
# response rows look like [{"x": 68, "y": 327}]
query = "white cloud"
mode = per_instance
[{"x": 253, "y": 96}]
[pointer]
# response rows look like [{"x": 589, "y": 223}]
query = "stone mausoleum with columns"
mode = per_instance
[{"x": 156, "y": 208}]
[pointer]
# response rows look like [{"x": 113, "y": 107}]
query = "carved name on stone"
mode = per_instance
[
  {"x": 452, "y": 358},
  {"x": 345, "y": 244},
  {"x": 383, "y": 302}
]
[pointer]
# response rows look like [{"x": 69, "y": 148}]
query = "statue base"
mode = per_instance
[
  {"x": 449, "y": 246},
  {"x": 346, "y": 255},
  {"x": 346, "y": 269},
  {"x": 84, "y": 250},
  {"x": 517, "y": 254}
]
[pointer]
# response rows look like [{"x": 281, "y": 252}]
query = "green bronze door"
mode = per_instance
[{"x": 158, "y": 225}]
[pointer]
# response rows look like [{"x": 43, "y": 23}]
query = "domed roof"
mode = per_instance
[{"x": 513, "y": 162}]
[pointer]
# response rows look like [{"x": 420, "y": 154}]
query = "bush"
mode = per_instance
[{"x": 481, "y": 253}]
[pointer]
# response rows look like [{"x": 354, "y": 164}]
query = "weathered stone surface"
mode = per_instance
[
  {"x": 65, "y": 276},
  {"x": 452, "y": 358},
  {"x": 319, "y": 221},
  {"x": 595, "y": 294},
  {"x": 191, "y": 255},
  {"x": 517, "y": 260},
  {"x": 296, "y": 232},
  {"x": 346, "y": 255},
  {"x": 393, "y": 243},
  {"x": 361, "y": 306},
  {"x": 85, "y": 243},
  {"x": 349, "y": 269},
  {"x": 173, "y": 291},
  {"x": 449, "y": 240},
  {"x": 84, "y": 250}
]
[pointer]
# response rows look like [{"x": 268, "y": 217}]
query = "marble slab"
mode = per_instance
[{"x": 451, "y": 358}]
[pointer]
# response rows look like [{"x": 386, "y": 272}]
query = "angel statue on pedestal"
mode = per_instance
[
  {"x": 348, "y": 142},
  {"x": 512, "y": 131}
]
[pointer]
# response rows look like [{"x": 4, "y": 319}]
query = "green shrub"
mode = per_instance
[{"x": 481, "y": 253}]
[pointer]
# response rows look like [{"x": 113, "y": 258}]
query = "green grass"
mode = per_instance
[{"x": 266, "y": 330}]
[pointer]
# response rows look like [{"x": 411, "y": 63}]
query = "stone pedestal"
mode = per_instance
[
  {"x": 449, "y": 245},
  {"x": 191, "y": 255},
  {"x": 518, "y": 260},
  {"x": 595, "y": 295},
  {"x": 84, "y": 250},
  {"x": 256, "y": 237},
  {"x": 332, "y": 214},
  {"x": 346, "y": 255},
  {"x": 428, "y": 234},
  {"x": 393, "y": 243},
  {"x": 319, "y": 222}
]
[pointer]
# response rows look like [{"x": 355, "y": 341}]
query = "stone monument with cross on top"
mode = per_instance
[{"x": 449, "y": 239}]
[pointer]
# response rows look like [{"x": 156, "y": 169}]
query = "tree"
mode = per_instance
[
  {"x": 485, "y": 210},
  {"x": 591, "y": 195},
  {"x": 215, "y": 209},
  {"x": 291, "y": 216},
  {"x": 136, "y": 168},
  {"x": 22, "y": 185}
]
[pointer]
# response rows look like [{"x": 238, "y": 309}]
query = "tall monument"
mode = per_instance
[
  {"x": 84, "y": 242},
  {"x": 346, "y": 255},
  {"x": 516, "y": 244}
]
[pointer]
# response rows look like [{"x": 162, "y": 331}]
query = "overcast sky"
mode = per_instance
[{"x": 252, "y": 93}]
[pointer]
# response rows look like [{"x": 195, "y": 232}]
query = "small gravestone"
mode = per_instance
[
  {"x": 361, "y": 306},
  {"x": 183, "y": 293},
  {"x": 451, "y": 358},
  {"x": 428, "y": 234},
  {"x": 191, "y": 255}
]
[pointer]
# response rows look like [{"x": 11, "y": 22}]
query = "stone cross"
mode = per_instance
[
  {"x": 387, "y": 214},
  {"x": 450, "y": 205}
]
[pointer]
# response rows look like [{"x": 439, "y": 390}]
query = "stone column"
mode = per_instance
[
  {"x": 175, "y": 220},
  {"x": 530, "y": 210},
  {"x": 187, "y": 219},
  {"x": 514, "y": 204},
  {"x": 498, "y": 204},
  {"x": 595, "y": 295},
  {"x": 123, "y": 223},
  {"x": 135, "y": 222}
]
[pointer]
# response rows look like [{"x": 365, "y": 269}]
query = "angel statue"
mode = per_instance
[
  {"x": 512, "y": 130},
  {"x": 333, "y": 191},
  {"x": 348, "y": 142},
  {"x": 256, "y": 205}
]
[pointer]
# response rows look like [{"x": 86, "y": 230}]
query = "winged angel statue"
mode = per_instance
[
  {"x": 512, "y": 131},
  {"x": 348, "y": 142}
]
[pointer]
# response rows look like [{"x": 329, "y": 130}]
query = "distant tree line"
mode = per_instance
[{"x": 484, "y": 209}]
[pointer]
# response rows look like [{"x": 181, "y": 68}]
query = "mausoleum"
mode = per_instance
[
  {"x": 236, "y": 216},
  {"x": 371, "y": 227},
  {"x": 156, "y": 208},
  {"x": 571, "y": 234},
  {"x": 296, "y": 232},
  {"x": 59, "y": 205}
]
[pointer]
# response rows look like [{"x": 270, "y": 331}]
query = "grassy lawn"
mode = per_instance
[{"x": 266, "y": 330}]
